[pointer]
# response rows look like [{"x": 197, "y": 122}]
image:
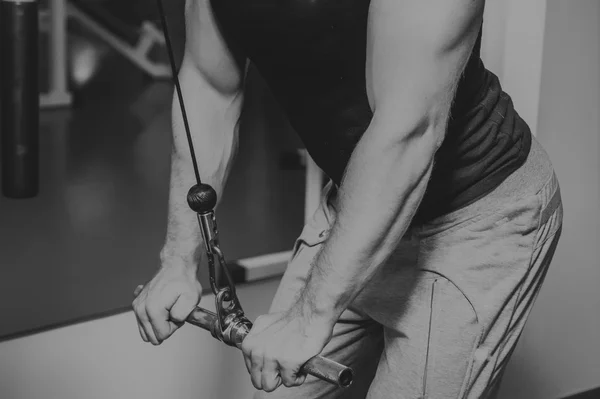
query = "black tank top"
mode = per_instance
[{"x": 312, "y": 54}]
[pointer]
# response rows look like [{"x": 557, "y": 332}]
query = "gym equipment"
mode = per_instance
[
  {"x": 53, "y": 21},
  {"x": 19, "y": 102},
  {"x": 138, "y": 44},
  {"x": 229, "y": 324}
]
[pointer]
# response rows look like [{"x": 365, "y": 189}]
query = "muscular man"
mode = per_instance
[{"x": 435, "y": 233}]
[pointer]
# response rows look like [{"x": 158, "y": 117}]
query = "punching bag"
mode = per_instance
[{"x": 19, "y": 97}]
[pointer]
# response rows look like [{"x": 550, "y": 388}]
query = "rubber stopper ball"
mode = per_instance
[{"x": 202, "y": 198}]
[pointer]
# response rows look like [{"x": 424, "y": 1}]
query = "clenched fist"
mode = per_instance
[{"x": 162, "y": 305}]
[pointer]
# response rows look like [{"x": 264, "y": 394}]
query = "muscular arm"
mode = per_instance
[
  {"x": 211, "y": 78},
  {"x": 417, "y": 50}
]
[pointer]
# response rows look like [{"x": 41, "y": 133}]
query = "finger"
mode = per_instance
[
  {"x": 138, "y": 308},
  {"x": 270, "y": 378},
  {"x": 300, "y": 379},
  {"x": 247, "y": 355},
  {"x": 137, "y": 291},
  {"x": 256, "y": 370},
  {"x": 141, "y": 314},
  {"x": 183, "y": 306},
  {"x": 178, "y": 314},
  {"x": 135, "y": 304},
  {"x": 143, "y": 317},
  {"x": 288, "y": 376},
  {"x": 142, "y": 332},
  {"x": 290, "y": 373},
  {"x": 173, "y": 326},
  {"x": 159, "y": 321},
  {"x": 247, "y": 362}
]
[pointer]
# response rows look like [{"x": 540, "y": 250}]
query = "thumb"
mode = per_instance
[
  {"x": 183, "y": 306},
  {"x": 300, "y": 378}
]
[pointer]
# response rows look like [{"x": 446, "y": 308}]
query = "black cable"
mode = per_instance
[{"x": 178, "y": 87}]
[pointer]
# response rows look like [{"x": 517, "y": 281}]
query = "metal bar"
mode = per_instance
[
  {"x": 19, "y": 91},
  {"x": 58, "y": 40},
  {"x": 318, "y": 366},
  {"x": 154, "y": 69}
]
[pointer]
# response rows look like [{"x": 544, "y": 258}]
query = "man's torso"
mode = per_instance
[{"x": 312, "y": 54}]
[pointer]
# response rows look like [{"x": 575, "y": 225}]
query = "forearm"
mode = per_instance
[
  {"x": 383, "y": 186},
  {"x": 416, "y": 54},
  {"x": 213, "y": 121}
]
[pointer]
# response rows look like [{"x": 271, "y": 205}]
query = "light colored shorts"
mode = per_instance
[{"x": 443, "y": 315}]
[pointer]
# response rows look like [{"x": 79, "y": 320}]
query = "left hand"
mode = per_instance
[{"x": 280, "y": 343}]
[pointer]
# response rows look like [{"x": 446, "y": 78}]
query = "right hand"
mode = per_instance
[{"x": 162, "y": 305}]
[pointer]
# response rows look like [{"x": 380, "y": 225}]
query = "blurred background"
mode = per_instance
[
  {"x": 95, "y": 229},
  {"x": 71, "y": 257}
]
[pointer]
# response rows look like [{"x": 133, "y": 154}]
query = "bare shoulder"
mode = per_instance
[
  {"x": 417, "y": 50},
  {"x": 438, "y": 20}
]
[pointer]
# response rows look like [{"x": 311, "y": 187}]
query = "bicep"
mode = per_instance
[
  {"x": 417, "y": 50},
  {"x": 208, "y": 51}
]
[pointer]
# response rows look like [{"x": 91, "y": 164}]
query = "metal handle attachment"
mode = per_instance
[
  {"x": 237, "y": 326},
  {"x": 318, "y": 366}
]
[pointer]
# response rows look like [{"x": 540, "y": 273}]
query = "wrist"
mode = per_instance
[
  {"x": 176, "y": 257},
  {"x": 326, "y": 293}
]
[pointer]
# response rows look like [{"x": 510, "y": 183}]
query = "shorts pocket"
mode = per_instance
[{"x": 453, "y": 339}]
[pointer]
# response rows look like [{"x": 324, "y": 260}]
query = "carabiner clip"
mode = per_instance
[{"x": 202, "y": 199}]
